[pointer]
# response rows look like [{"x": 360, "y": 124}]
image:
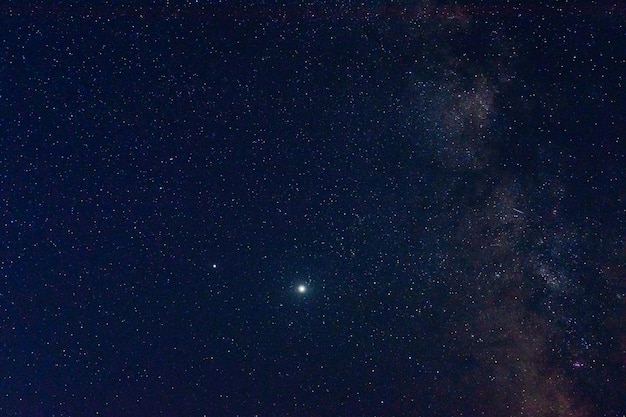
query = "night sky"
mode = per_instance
[{"x": 382, "y": 208}]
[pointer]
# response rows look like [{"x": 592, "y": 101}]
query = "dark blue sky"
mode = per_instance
[{"x": 445, "y": 180}]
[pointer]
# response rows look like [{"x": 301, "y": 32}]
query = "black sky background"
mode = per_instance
[{"x": 446, "y": 180}]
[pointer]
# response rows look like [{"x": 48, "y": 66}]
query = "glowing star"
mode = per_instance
[{"x": 301, "y": 288}]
